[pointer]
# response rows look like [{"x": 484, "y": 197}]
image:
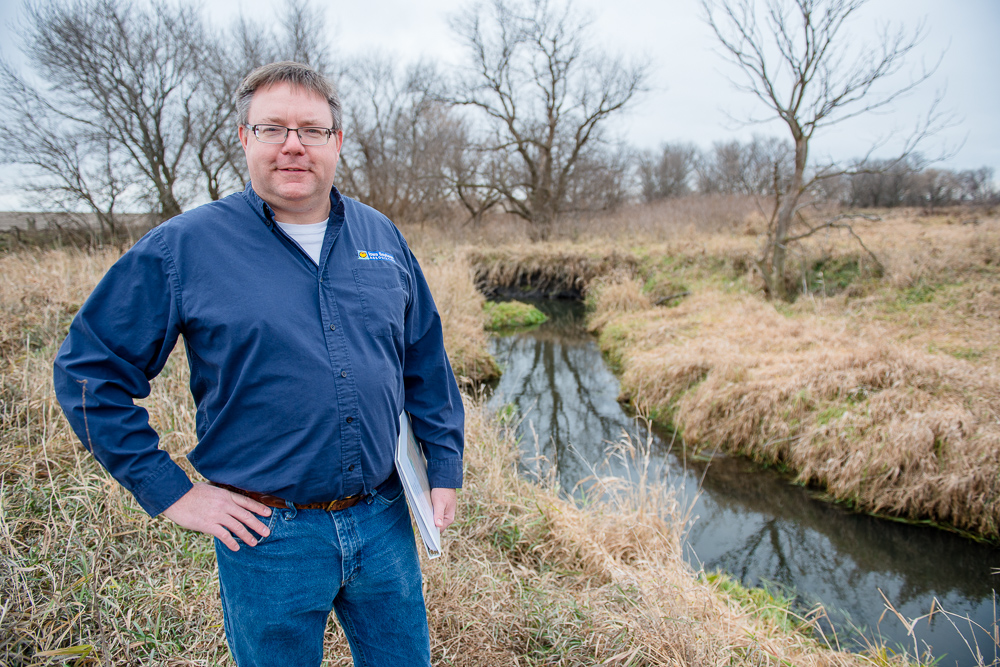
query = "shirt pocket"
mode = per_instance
[{"x": 383, "y": 299}]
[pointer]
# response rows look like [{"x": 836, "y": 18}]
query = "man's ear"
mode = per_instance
[
  {"x": 244, "y": 135},
  {"x": 338, "y": 137}
]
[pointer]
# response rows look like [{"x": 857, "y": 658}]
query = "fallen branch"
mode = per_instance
[{"x": 664, "y": 299}]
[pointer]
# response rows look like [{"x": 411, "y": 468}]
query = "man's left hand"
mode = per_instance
[{"x": 445, "y": 502}]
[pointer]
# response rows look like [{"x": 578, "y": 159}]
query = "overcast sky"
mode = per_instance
[{"x": 691, "y": 97}]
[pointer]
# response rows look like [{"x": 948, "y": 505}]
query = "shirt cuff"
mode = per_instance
[
  {"x": 444, "y": 473},
  {"x": 162, "y": 488}
]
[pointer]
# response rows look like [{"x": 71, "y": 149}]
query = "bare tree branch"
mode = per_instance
[
  {"x": 546, "y": 97},
  {"x": 797, "y": 58}
]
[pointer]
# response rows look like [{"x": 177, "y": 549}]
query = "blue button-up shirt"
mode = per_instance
[{"x": 299, "y": 372}]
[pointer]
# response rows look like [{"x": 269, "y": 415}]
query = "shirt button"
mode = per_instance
[
  {"x": 333, "y": 327},
  {"x": 350, "y": 467},
  {"x": 350, "y": 419},
  {"x": 343, "y": 374}
]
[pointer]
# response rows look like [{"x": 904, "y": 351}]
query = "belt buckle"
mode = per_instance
[{"x": 332, "y": 505}]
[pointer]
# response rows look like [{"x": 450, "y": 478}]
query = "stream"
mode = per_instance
[{"x": 750, "y": 521}]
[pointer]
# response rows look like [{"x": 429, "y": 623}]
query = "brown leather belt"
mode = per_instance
[{"x": 279, "y": 503}]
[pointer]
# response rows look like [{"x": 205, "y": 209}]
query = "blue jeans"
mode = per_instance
[{"x": 362, "y": 562}]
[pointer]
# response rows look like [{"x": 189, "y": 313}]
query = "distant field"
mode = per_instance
[{"x": 35, "y": 220}]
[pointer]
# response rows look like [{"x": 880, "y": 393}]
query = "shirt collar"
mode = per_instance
[{"x": 263, "y": 209}]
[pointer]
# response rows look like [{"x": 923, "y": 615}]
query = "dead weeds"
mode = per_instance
[
  {"x": 885, "y": 395},
  {"x": 527, "y": 578}
]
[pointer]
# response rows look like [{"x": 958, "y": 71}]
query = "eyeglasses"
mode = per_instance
[{"x": 276, "y": 134}]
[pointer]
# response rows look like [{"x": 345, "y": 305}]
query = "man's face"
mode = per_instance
[{"x": 294, "y": 179}]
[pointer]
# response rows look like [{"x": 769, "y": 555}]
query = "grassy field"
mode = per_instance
[
  {"x": 527, "y": 578},
  {"x": 879, "y": 384}
]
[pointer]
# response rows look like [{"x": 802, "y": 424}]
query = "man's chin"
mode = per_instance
[{"x": 295, "y": 193}]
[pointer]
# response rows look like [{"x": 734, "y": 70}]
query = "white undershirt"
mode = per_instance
[{"x": 309, "y": 236}]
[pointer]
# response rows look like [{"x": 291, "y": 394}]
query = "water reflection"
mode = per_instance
[{"x": 748, "y": 521}]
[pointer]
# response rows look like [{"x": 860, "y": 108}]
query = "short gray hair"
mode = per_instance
[{"x": 296, "y": 74}]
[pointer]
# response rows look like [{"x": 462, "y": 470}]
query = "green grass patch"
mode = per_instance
[
  {"x": 967, "y": 353},
  {"x": 920, "y": 293},
  {"x": 666, "y": 278},
  {"x": 830, "y": 276},
  {"x": 613, "y": 341},
  {"x": 506, "y": 315},
  {"x": 829, "y": 414},
  {"x": 767, "y": 602}
]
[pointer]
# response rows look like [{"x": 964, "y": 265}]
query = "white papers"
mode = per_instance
[{"x": 412, "y": 469}]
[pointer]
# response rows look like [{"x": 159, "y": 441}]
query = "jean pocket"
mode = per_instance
[
  {"x": 269, "y": 521},
  {"x": 383, "y": 298},
  {"x": 391, "y": 498}
]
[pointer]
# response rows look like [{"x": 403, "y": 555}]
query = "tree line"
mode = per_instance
[
  {"x": 763, "y": 165},
  {"x": 126, "y": 105}
]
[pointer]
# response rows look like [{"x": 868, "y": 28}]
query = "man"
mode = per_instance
[{"x": 309, "y": 327}]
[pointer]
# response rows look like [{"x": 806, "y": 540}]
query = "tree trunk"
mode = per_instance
[
  {"x": 169, "y": 207},
  {"x": 778, "y": 252}
]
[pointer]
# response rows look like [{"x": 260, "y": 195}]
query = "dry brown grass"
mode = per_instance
[
  {"x": 527, "y": 579},
  {"x": 614, "y": 295},
  {"x": 461, "y": 307},
  {"x": 666, "y": 220},
  {"x": 942, "y": 292},
  {"x": 852, "y": 393},
  {"x": 629, "y": 224}
]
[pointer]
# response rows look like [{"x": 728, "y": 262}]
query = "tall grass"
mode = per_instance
[
  {"x": 868, "y": 394},
  {"x": 879, "y": 384},
  {"x": 527, "y": 578},
  {"x": 448, "y": 274}
]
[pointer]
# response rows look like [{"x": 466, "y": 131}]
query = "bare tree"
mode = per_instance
[
  {"x": 762, "y": 166},
  {"x": 768, "y": 164},
  {"x": 72, "y": 166},
  {"x": 217, "y": 151},
  {"x": 130, "y": 105},
  {"x": 933, "y": 188},
  {"x": 119, "y": 75},
  {"x": 882, "y": 184},
  {"x": 305, "y": 35},
  {"x": 399, "y": 139},
  {"x": 721, "y": 170},
  {"x": 227, "y": 58},
  {"x": 668, "y": 174},
  {"x": 903, "y": 183},
  {"x": 546, "y": 96},
  {"x": 977, "y": 185},
  {"x": 602, "y": 181},
  {"x": 469, "y": 171},
  {"x": 797, "y": 57}
]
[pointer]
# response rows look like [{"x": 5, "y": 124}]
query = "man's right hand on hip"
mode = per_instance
[{"x": 214, "y": 511}]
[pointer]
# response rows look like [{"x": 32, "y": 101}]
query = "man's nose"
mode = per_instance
[{"x": 292, "y": 143}]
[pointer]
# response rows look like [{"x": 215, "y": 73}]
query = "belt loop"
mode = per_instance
[
  {"x": 370, "y": 497},
  {"x": 293, "y": 508}
]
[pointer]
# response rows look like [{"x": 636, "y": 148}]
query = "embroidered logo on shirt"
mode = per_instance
[{"x": 375, "y": 255}]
